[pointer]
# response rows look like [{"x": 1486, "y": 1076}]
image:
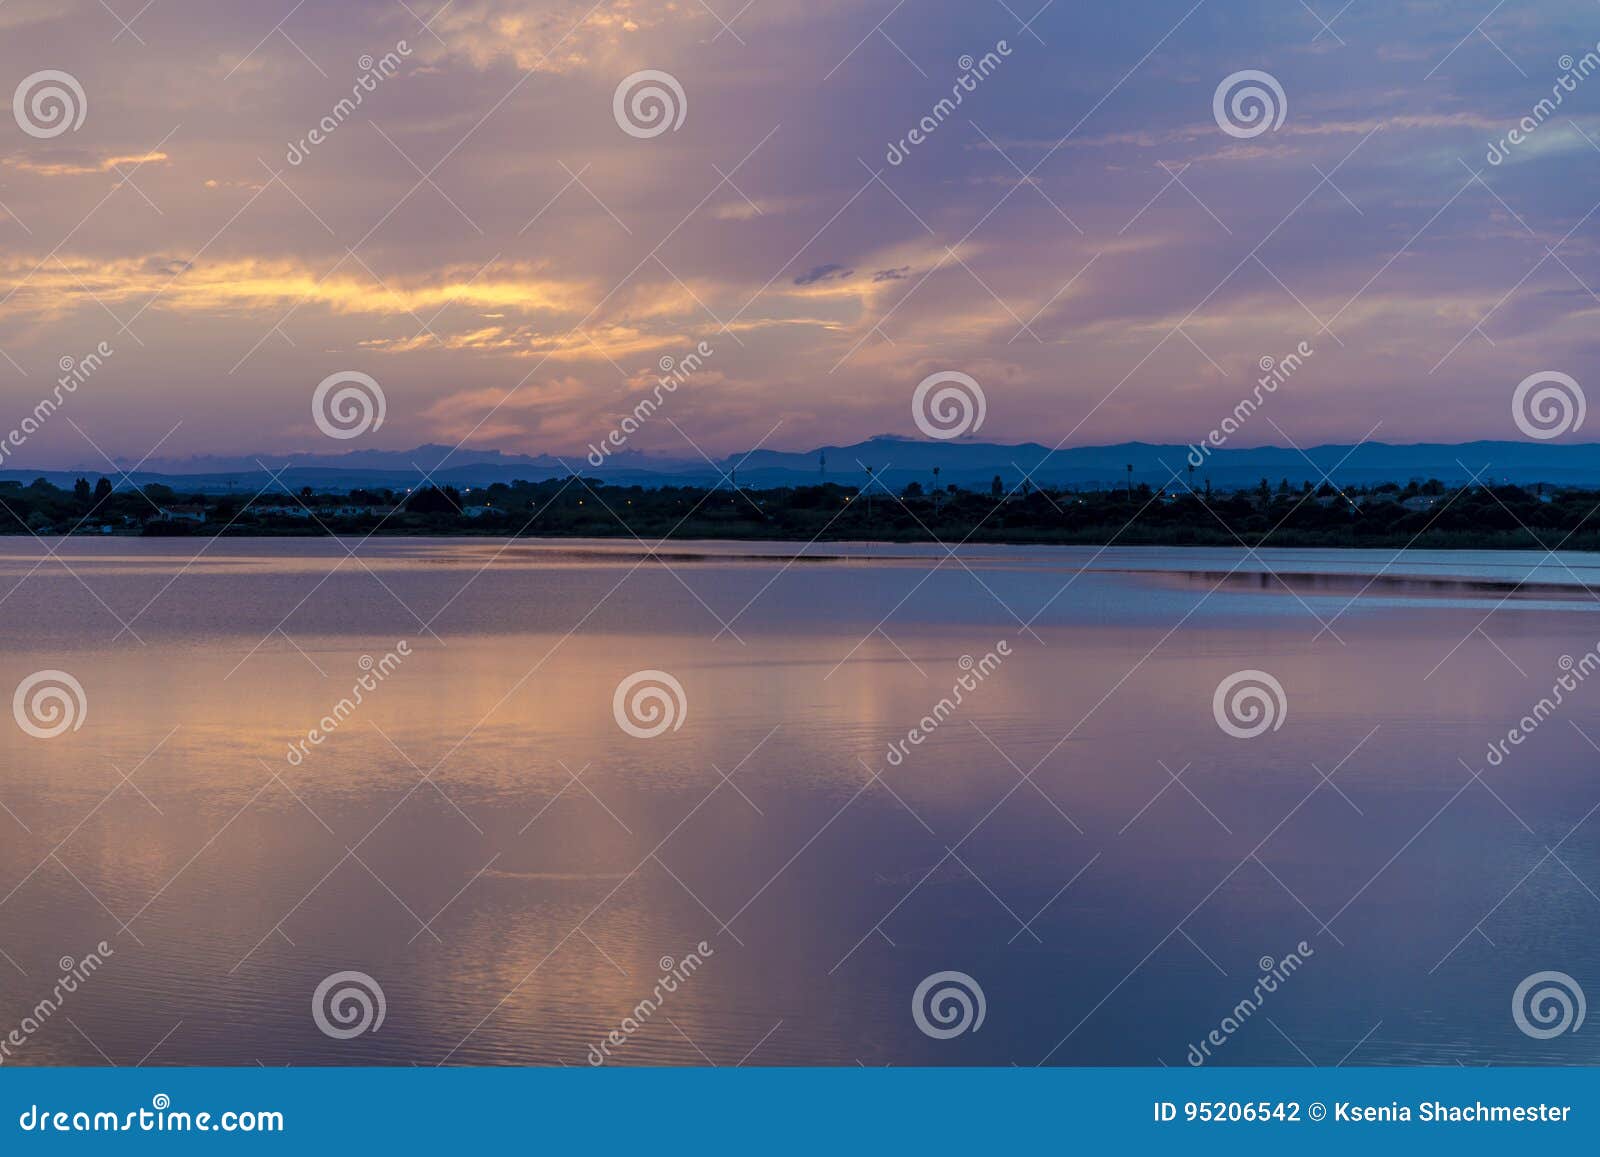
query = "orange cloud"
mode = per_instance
[
  {"x": 545, "y": 36},
  {"x": 248, "y": 283},
  {"x": 71, "y": 168}
]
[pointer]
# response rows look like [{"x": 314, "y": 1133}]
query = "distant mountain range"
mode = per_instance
[{"x": 897, "y": 460}]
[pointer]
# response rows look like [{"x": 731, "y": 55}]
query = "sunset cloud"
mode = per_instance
[
  {"x": 64, "y": 167},
  {"x": 1079, "y": 233}
]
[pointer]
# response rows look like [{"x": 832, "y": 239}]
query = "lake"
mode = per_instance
[{"x": 492, "y": 840}]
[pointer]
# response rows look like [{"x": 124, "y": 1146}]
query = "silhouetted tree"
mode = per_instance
[{"x": 434, "y": 501}]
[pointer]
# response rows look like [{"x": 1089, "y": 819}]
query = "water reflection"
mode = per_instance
[{"x": 481, "y": 837}]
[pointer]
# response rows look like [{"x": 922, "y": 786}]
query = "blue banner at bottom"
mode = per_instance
[{"x": 714, "y": 1111}]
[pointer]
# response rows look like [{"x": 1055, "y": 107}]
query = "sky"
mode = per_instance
[{"x": 508, "y": 247}]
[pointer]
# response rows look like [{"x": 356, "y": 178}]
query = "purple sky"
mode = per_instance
[{"x": 1080, "y": 235}]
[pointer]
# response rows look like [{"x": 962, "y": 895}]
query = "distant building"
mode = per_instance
[{"x": 181, "y": 514}]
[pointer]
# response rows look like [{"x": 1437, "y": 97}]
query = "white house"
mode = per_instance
[{"x": 181, "y": 514}]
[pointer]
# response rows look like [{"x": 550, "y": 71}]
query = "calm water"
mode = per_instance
[{"x": 484, "y": 839}]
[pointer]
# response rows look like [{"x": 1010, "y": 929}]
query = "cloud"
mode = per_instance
[
  {"x": 72, "y": 164},
  {"x": 166, "y": 266},
  {"x": 223, "y": 285},
  {"x": 824, "y": 286},
  {"x": 554, "y": 36},
  {"x": 829, "y": 272},
  {"x": 740, "y": 209}
]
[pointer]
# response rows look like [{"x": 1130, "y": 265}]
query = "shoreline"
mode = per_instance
[
  {"x": 1418, "y": 515},
  {"x": 1320, "y": 570},
  {"x": 1500, "y": 541}
]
